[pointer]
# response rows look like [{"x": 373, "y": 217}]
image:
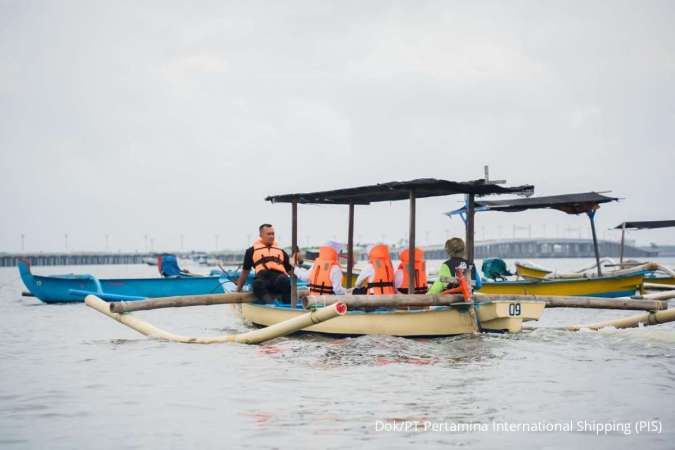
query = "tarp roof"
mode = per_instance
[
  {"x": 569, "y": 203},
  {"x": 399, "y": 190},
  {"x": 647, "y": 224}
]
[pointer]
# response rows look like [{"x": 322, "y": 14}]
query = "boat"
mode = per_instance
[
  {"x": 73, "y": 288},
  {"x": 539, "y": 281},
  {"x": 489, "y": 316},
  {"x": 609, "y": 286},
  {"x": 458, "y": 311},
  {"x": 486, "y": 315}
]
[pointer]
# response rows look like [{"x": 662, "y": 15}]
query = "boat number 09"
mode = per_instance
[{"x": 514, "y": 309}]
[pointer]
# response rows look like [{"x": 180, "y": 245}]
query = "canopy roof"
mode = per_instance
[
  {"x": 569, "y": 203},
  {"x": 399, "y": 190},
  {"x": 647, "y": 224}
]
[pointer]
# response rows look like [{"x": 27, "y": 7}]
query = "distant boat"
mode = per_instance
[{"x": 73, "y": 288}]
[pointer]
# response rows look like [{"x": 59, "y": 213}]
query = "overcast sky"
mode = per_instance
[{"x": 166, "y": 118}]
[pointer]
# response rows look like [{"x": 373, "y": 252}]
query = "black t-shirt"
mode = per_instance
[
  {"x": 248, "y": 260},
  {"x": 455, "y": 262}
]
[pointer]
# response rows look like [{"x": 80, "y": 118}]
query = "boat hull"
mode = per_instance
[
  {"x": 499, "y": 316},
  {"x": 74, "y": 288},
  {"x": 607, "y": 286},
  {"x": 531, "y": 273}
]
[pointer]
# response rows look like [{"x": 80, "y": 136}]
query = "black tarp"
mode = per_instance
[
  {"x": 647, "y": 224},
  {"x": 569, "y": 203},
  {"x": 399, "y": 190}
]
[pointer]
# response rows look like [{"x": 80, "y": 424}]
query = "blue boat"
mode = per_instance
[{"x": 73, "y": 288}]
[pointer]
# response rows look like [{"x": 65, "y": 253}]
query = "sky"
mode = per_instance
[{"x": 130, "y": 124}]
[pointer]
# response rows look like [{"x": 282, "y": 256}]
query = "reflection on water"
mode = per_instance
[{"x": 72, "y": 378}]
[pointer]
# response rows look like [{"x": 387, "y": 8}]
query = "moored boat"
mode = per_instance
[
  {"x": 604, "y": 286},
  {"x": 497, "y": 316},
  {"x": 73, "y": 288}
]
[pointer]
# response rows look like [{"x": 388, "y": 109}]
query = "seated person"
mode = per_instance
[
  {"x": 325, "y": 275},
  {"x": 446, "y": 274},
  {"x": 377, "y": 278},
  {"x": 168, "y": 266},
  {"x": 401, "y": 275}
]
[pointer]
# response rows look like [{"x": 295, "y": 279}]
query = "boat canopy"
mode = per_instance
[
  {"x": 646, "y": 224},
  {"x": 391, "y": 191},
  {"x": 399, "y": 190},
  {"x": 585, "y": 202}
]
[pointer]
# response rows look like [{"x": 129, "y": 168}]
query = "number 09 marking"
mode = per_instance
[{"x": 514, "y": 309}]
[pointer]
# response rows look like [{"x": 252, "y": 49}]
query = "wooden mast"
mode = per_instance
[
  {"x": 470, "y": 217},
  {"x": 350, "y": 246},
  {"x": 294, "y": 249},
  {"x": 623, "y": 237},
  {"x": 411, "y": 246},
  {"x": 591, "y": 216}
]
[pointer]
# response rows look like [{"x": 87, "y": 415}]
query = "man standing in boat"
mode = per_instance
[{"x": 272, "y": 266}]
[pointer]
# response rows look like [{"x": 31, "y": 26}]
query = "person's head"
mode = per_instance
[
  {"x": 266, "y": 233},
  {"x": 455, "y": 247}
]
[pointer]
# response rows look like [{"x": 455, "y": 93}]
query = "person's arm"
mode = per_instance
[
  {"x": 302, "y": 273},
  {"x": 245, "y": 268},
  {"x": 398, "y": 278},
  {"x": 336, "y": 280},
  {"x": 444, "y": 278},
  {"x": 242, "y": 279},
  {"x": 363, "y": 276}
]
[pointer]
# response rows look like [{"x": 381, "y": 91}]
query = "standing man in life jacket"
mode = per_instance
[
  {"x": 377, "y": 278},
  {"x": 401, "y": 276},
  {"x": 455, "y": 249},
  {"x": 272, "y": 266},
  {"x": 325, "y": 275}
]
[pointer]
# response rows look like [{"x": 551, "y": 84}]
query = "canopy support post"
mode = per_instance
[
  {"x": 412, "y": 282},
  {"x": 591, "y": 216},
  {"x": 470, "y": 220},
  {"x": 623, "y": 240},
  {"x": 350, "y": 246},
  {"x": 294, "y": 250}
]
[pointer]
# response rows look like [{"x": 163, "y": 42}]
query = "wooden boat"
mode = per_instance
[
  {"x": 604, "y": 286},
  {"x": 75, "y": 287},
  {"x": 531, "y": 272},
  {"x": 494, "y": 316}
]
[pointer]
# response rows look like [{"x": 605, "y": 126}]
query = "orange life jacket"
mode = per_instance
[
  {"x": 382, "y": 281},
  {"x": 319, "y": 276},
  {"x": 420, "y": 271},
  {"x": 268, "y": 258}
]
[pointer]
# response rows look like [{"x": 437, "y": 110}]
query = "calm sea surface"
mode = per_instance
[{"x": 72, "y": 378}]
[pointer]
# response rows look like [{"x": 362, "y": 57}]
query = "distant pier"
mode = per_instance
[
  {"x": 73, "y": 259},
  {"x": 504, "y": 248}
]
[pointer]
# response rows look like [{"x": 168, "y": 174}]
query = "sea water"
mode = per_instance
[{"x": 72, "y": 378}]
